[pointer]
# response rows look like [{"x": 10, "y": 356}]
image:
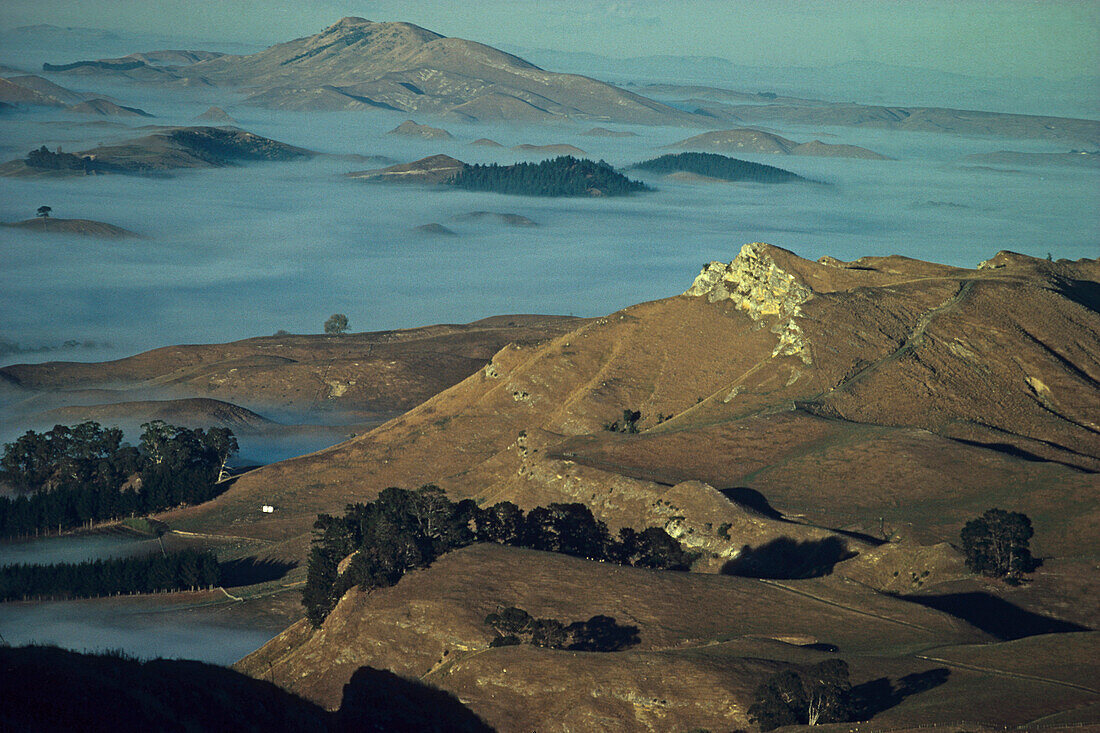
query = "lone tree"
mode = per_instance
[
  {"x": 44, "y": 211},
  {"x": 336, "y": 324},
  {"x": 996, "y": 544}
]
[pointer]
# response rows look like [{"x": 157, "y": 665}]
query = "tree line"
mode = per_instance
[
  {"x": 68, "y": 477},
  {"x": 561, "y": 176},
  {"x": 403, "y": 530},
  {"x": 182, "y": 570}
]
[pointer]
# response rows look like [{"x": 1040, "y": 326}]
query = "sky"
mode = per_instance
[{"x": 1047, "y": 38}]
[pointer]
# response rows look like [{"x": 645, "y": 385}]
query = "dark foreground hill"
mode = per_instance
[{"x": 49, "y": 689}]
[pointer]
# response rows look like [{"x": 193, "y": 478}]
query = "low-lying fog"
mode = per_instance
[
  {"x": 102, "y": 625},
  {"x": 246, "y": 251},
  {"x": 80, "y": 548}
]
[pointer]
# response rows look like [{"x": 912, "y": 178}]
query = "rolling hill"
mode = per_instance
[
  {"x": 779, "y": 410},
  {"x": 164, "y": 149},
  {"x": 749, "y": 140}
]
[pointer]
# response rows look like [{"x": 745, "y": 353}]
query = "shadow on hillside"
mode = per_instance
[
  {"x": 379, "y": 700},
  {"x": 752, "y": 500},
  {"x": 784, "y": 558},
  {"x": 871, "y": 698},
  {"x": 1016, "y": 451},
  {"x": 251, "y": 570},
  {"x": 995, "y": 616},
  {"x": 1084, "y": 292}
]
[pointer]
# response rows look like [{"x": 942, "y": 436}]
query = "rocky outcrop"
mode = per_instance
[{"x": 758, "y": 285}]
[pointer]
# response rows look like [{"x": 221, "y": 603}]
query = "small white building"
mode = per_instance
[{"x": 267, "y": 509}]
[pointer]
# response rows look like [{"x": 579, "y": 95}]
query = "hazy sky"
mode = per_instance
[{"x": 1052, "y": 38}]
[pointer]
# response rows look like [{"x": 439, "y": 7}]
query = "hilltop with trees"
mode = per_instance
[
  {"x": 561, "y": 176},
  {"x": 721, "y": 167}
]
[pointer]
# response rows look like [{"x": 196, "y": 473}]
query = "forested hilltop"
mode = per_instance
[
  {"x": 561, "y": 176},
  {"x": 722, "y": 167}
]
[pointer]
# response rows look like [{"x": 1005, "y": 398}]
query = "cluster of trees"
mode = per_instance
[
  {"x": 44, "y": 159},
  {"x": 402, "y": 530},
  {"x": 713, "y": 165},
  {"x": 561, "y": 176},
  {"x": 73, "y": 476},
  {"x": 820, "y": 694},
  {"x": 628, "y": 423},
  {"x": 997, "y": 544},
  {"x": 598, "y": 634},
  {"x": 183, "y": 570}
]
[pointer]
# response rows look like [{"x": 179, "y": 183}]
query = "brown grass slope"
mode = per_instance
[
  {"x": 889, "y": 391},
  {"x": 362, "y": 373},
  {"x": 704, "y": 643}
]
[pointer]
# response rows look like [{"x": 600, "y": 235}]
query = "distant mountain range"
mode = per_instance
[{"x": 853, "y": 81}]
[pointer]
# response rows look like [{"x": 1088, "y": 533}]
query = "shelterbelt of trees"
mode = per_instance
[
  {"x": 74, "y": 476},
  {"x": 183, "y": 570},
  {"x": 403, "y": 530}
]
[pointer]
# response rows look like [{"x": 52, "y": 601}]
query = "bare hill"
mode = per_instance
[
  {"x": 749, "y": 140},
  {"x": 16, "y": 94},
  {"x": 195, "y": 412},
  {"x": 408, "y": 128},
  {"x": 105, "y": 107},
  {"x": 1082, "y": 158},
  {"x": 357, "y": 64},
  {"x": 765, "y": 108},
  {"x": 553, "y": 149},
  {"x": 363, "y": 374},
  {"x": 433, "y": 169},
  {"x": 47, "y": 88},
  {"x": 82, "y": 227},
  {"x": 217, "y": 116}
]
